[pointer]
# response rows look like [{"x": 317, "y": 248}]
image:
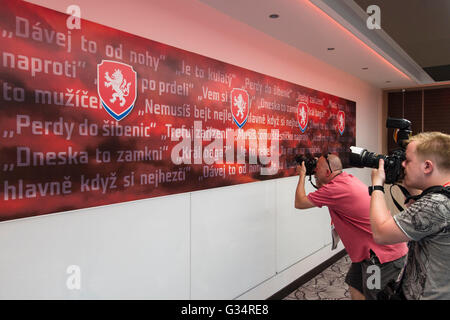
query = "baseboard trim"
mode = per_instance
[{"x": 306, "y": 277}]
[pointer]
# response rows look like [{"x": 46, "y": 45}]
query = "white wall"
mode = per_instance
[{"x": 245, "y": 241}]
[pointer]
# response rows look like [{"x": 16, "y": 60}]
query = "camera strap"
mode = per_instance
[
  {"x": 405, "y": 193},
  {"x": 435, "y": 189},
  {"x": 310, "y": 176}
]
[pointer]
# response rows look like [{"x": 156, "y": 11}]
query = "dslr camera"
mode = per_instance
[
  {"x": 361, "y": 158},
  {"x": 310, "y": 163}
]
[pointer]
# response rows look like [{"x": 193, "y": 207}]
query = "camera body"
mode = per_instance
[
  {"x": 392, "y": 164},
  {"x": 361, "y": 158},
  {"x": 310, "y": 163}
]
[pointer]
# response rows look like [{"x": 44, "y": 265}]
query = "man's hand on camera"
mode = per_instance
[
  {"x": 301, "y": 170},
  {"x": 378, "y": 175}
]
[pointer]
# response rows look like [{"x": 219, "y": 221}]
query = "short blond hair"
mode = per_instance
[{"x": 434, "y": 144}]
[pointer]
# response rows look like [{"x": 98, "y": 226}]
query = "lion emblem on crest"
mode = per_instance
[
  {"x": 240, "y": 104},
  {"x": 120, "y": 86},
  {"x": 303, "y": 117}
]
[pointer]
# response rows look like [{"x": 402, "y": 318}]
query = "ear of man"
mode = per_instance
[{"x": 428, "y": 166}]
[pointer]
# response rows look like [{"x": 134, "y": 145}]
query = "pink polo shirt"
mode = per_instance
[{"x": 348, "y": 201}]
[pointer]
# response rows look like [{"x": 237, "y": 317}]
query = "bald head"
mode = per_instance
[
  {"x": 323, "y": 174},
  {"x": 335, "y": 162}
]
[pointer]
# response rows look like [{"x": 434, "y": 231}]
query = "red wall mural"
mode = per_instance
[{"x": 96, "y": 116}]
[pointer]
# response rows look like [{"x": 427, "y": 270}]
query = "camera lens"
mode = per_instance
[
  {"x": 356, "y": 156},
  {"x": 371, "y": 159},
  {"x": 361, "y": 158}
]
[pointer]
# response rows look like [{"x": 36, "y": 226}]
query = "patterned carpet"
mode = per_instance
[{"x": 328, "y": 285}]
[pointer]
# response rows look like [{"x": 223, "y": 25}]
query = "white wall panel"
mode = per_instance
[
  {"x": 299, "y": 232},
  {"x": 137, "y": 250},
  {"x": 233, "y": 239}
]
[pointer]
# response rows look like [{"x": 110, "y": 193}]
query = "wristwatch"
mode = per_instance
[{"x": 371, "y": 188}]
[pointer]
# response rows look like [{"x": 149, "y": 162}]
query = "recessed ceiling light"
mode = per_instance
[{"x": 274, "y": 16}]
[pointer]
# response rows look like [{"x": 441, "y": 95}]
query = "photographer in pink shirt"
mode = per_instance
[{"x": 348, "y": 202}]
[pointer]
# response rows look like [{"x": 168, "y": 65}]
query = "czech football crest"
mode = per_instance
[
  {"x": 302, "y": 116},
  {"x": 341, "y": 122},
  {"x": 240, "y": 106},
  {"x": 116, "y": 85}
]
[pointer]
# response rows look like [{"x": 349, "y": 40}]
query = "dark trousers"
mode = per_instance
[{"x": 370, "y": 276}]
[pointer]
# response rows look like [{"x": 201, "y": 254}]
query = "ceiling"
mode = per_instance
[
  {"x": 411, "y": 49},
  {"x": 421, "y": 28}
]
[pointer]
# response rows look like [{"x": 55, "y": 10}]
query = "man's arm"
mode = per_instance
[
  {"x": 301, "y": 201},
  {"x": 384, "y": 228}
]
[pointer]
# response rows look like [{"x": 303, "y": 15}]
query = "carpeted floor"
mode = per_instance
[{"x": 328, "y": 285}]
